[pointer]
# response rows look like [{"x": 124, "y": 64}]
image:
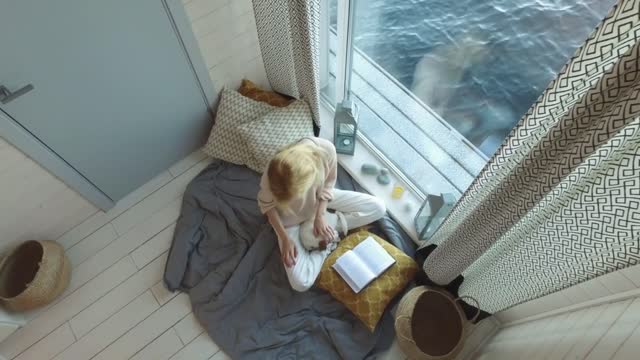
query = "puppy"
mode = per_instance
[{"x": 311, "y": 242}]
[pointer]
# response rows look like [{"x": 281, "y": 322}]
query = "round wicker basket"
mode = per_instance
[
  {"x": 33, "y": 275},
  {"x": 430, "y": 324}
]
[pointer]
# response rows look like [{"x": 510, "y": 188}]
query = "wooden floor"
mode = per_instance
[
  {"x": 606, "y": 331},
  {"x": 116, "y": 306},
  {"x": 33, "y": 203}
]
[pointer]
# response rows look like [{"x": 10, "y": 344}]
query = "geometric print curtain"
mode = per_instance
[
  {"x": 289, "y": 37},
  {"x": 559, "y": 203}
]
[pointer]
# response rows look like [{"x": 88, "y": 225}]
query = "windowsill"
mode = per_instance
[
  {"x": 352, "y": 163},
  {"x": 426, "y": 150}
]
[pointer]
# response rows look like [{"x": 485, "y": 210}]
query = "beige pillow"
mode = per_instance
[
  {"x": 224, "y": 141},
  {"x": 369, "y": 304},
  {"x": 274, "y": 130}
]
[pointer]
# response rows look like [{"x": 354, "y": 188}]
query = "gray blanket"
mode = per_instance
[{"x": 225, "y": 256}]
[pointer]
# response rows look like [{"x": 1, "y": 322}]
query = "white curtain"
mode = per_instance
[
  {"x": 288, "y": 32},
  {"x": 559, "y": 203}
]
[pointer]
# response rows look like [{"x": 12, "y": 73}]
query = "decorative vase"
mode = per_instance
[{"x": 345, "y": 127}]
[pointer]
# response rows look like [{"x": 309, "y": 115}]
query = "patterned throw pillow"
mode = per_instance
[
  {"x": 369, "y": 304},
  {"x": 253, "y": 91},
  {"x": 276, "y": 129},
  {"x": 224, "y": 141}
]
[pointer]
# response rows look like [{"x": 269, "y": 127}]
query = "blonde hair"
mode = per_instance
[{"x": 295, "y": 169}]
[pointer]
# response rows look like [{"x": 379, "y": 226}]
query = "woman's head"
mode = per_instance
[{"x": 295, "y": 169}]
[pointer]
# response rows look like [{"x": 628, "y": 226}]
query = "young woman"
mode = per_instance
[{"x": 297, "y": 189}]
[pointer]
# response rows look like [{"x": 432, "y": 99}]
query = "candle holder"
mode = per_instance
[{"x": 345, "y": 127}]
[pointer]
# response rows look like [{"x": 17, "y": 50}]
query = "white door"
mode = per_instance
[{"x": 104, "y": 84}]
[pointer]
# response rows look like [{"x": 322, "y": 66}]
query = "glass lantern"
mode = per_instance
[
  {"x": 432, "y": 213},
  {"x": 345, "y": 127}
]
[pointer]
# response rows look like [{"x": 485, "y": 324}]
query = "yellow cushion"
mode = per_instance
[
  {"x": 253, "y": 91},
  {"x": 369, "y": 304}
]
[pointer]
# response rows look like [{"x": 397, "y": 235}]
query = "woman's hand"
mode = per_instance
[
  {"x": 322, "y": 229},
  {"x": 288, "y": 252}
]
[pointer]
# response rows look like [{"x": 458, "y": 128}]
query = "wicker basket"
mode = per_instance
[
  {"x": 431, "y": 325},
  {"x": 33, "y": 275}
]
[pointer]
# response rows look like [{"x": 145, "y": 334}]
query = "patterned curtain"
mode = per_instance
[
  {"x": 288, "y": 33},
  {"x": 559, "y": 203}
]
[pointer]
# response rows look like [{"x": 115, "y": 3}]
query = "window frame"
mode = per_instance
[
  {"x": 344, "y": 61},
  {"x": 344, "y": 51}
]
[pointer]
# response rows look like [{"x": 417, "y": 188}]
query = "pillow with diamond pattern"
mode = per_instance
[
  {"x": 224, "y": 141},
  {"x": 369, "y": 304},
  {"x": 274, "y": 130}
]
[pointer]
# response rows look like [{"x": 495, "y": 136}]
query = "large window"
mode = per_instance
[{"x": 440, "y": 83}]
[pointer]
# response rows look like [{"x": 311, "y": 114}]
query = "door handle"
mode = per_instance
[{"x": 6, "y": 96}]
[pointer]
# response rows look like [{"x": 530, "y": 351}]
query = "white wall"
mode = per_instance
[
  {"x": 36, "y": 205},
  {"x": 33, "y": 203},
  {"x": 607, "y": 331},
  {"x": 228, "y": 39}
]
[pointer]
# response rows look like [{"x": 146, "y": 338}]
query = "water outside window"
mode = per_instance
[
  {"x": 441, "y": 83},
  {"x": 478, "y": 64}
]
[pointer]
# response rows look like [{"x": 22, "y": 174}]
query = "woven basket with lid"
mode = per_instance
[{"x": 33, "y": 275}]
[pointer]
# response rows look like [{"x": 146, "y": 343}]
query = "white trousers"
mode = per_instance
[{"x": 358, "y": 209}]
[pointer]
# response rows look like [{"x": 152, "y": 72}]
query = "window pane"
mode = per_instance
[
  {"x": 442, "y": 82},
  {"x": 328, "y": 40}
]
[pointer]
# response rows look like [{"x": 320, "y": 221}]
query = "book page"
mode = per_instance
[
  {"x": 376, "y": 258},
  {"x": 353, "y": 270},
  {"x": 347, "y": 279}
]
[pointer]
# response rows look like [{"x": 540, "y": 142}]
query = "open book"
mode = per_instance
[{"x": 360, "y": 266}]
